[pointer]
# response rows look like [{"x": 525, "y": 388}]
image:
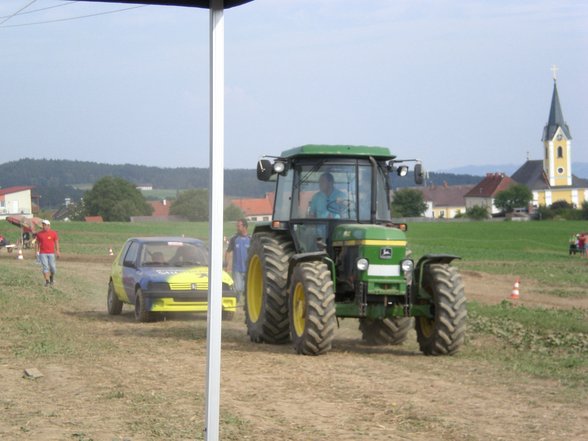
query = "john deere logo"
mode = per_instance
[{"x": 385, "y": 253}]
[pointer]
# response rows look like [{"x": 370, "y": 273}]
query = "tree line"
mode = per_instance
[
  {"x": 56, "y": 179},
  {"x": 117, "y": 200}
]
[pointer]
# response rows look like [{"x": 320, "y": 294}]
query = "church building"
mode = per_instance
[{"x": 551, "y": 179}]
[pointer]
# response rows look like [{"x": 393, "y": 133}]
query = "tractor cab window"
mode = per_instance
[
  {"x": 365, "y": 194},
  {"x": 283, "y": 197},
  {"x": 328, "y": 191}
]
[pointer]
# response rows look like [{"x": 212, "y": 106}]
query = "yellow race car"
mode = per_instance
[{"x": 164, "y": 275}]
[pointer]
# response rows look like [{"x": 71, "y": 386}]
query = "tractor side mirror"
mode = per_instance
[
  {"x": 419, "y": 173},
  {"x": 264, "y": 169}
]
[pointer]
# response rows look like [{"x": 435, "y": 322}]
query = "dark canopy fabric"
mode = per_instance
[{"x": 190, "y": 3}]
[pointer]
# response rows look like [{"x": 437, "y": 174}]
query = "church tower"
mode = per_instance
[{"x": 557, "y": 141}]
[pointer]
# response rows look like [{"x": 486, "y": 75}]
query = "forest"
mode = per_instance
[{"x": 56, "y": 179}]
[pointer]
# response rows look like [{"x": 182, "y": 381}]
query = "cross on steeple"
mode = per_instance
[{"x": 554, "y": 70}]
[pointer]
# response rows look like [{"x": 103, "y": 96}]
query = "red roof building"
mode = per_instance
[
  {"x": 94, "y": 219},
  {"x": 160, "y": 208},
  {"x": 256, "y": 209},
  {"x": 485, "y": 191},
  {"x": 445, "y": 201}
]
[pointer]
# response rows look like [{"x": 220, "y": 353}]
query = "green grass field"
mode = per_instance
[
  {"x": 551, "y": 343},
  {"x": 537, "y": 250}
]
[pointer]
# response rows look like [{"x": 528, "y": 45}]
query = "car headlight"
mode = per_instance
[
  {"x": 407, "y": 266},
  {"x": 362, "y": 264}
]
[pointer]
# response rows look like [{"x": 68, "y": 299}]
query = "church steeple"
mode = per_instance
[
  {"x": 556, "y": 118},
  {"x": 557, "y": 162}
]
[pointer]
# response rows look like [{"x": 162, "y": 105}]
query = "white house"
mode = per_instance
[{"x": 15, "y": 201}]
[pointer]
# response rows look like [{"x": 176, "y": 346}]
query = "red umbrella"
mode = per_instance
[{"x": 28, "y": 224}]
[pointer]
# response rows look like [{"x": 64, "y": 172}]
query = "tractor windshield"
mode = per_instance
[{"x": 338, "y": 190}]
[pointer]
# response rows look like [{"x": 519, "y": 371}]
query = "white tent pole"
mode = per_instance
[{"x": 215, "y": 204}]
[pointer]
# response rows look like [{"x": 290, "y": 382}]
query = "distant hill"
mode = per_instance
[
  {"x": 56, "y": 179},
  {"x": 580, "y": 169},
  {"x": 482, "y": 170},
  {"x": 437, "y": 178}
]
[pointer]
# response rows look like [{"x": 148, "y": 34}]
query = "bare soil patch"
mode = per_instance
[
  {"x": 146, "y": 382},
  {"x": 491, "y": 289}
]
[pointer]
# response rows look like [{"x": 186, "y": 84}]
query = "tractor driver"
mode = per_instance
[{"x": 328, "y": 202}]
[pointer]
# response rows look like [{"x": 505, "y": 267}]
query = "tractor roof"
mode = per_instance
[{"x": 338, "y": 150}]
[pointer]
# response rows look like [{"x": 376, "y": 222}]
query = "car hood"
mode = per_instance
[{"x": 198, "y": 274}]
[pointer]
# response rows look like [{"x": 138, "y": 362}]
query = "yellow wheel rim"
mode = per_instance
[
  {"x": 254, "y": 289},
  {"x": 299, "y": 309}
]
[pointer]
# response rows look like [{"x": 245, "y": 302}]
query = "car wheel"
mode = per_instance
[
  {"x": 113, "y": 303},
  {"x": 142, "y": 313}
]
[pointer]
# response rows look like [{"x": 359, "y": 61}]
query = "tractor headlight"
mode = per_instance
[
  {"x": 362, "y": 264},
  {"x": 407, "y": 266},
  {"x": 279, "y": 166}
]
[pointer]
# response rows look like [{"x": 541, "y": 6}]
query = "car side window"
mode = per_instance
[{"x": 131, "y": 255}]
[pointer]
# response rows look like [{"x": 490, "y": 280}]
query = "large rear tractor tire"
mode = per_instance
[
  {"x": 445, "y": 332},
  {"x": 312, "y": 309},
  {"x": 266, "y": 296},
  {"x": 388, "y": 331}
]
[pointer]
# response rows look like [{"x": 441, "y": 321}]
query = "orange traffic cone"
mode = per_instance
[
  {"x": 515, "y": 289},
  {"x": 19, "y": 257},
  {"x": 110, "y": 253}
]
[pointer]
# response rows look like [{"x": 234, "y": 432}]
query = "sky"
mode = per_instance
[{"x": 451, "y": 82}]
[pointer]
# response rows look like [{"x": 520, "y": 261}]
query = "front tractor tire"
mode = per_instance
[
  {"x": 312, "y": 308},
  {"x": 266, "y": 296},
  {"x": 445, "y": 332},
  {"x": 388, "y": 331}
]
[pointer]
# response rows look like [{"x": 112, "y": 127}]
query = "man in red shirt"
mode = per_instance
[{"x": 48, "y": 250}]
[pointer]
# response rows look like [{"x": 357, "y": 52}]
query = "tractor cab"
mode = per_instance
[{"x": 315, "y": 193}]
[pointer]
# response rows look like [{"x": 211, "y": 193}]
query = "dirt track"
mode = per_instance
[{"x": 148, "y": 383}]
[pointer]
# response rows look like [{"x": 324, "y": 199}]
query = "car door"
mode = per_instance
[
  {"x": 117, "y": 273},
  {"x": 130, "y": 269}
]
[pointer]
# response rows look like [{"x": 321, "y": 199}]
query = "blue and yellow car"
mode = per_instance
[{"x": 164, "y": 275}]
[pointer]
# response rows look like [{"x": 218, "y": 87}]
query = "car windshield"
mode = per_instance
[{"x": 173, "y": 254}]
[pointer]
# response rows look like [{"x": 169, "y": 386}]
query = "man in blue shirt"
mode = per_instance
[
  {"x": 238, "y": 246},
  {"x": 328, "y": 202}
]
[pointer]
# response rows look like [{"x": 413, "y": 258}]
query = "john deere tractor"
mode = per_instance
[{"x": 332, "y": 251}]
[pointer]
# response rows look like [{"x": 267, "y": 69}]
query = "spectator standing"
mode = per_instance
[
  {"x": 47, "y": 246},
  {"x": 582, "y": 244},
  {"x": 238, "y": 246}
]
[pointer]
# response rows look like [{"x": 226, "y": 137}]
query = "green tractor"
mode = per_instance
[{"x": 331, "y": 251}]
